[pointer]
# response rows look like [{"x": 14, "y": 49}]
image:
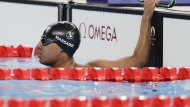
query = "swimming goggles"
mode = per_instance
[{"x": 46, "y": 41}]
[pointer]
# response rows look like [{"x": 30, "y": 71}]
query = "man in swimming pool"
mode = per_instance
[{"x": 60, "y": 40}]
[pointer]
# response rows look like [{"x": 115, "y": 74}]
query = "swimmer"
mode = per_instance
[{"x": 60, "y": 41}]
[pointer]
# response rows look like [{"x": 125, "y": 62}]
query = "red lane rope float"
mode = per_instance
[
  {"x": 36, "y": 52},
  {"x": 181, "y": 101},
  {"x": 132, "y": 74},
  {"x": 168, "y": 73},
  {"x": 141, "y": 101},
  {"x": 5, "y": 74},
  {"x": 58, "y": 73},
  {"x": 161, "y": 101},
  {"x": 20, "y": 51},
  {"x": 40, "y": 74},
  {"x": 184, "y": 73},
  {"x": 1, "y": 52},
  {"x": 16, "y": 102},
  {"x": 150, "y": 74},
  {"x": 102, "y": 101},
  {"x": 24, "y": 51},
  {"x": 113, "y": 74},
  {"x": 98, "y": 74},
  {"x": 79, "y": 102},
  {"x": 1, "y": 102},
  {"x": 37, "y": 102},
  {"x": 58, "y": 102},
  {"x": 76, "y": 74},
  {"x": 21, "y": 74},
  {"x": 7, "y": 51},
  {"x": 122, "y": 101}
]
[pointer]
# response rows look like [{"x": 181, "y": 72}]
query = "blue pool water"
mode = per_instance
[
  {"x": 71, "y": 88},
  {"x": 17, "y": 62}
]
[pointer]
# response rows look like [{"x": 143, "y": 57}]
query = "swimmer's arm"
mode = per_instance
[
  {"x": 141, "y": 53},
  {"x": 123, "y": 62}
]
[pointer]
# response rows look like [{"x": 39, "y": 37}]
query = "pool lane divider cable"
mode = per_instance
[
  {"x": 101, "y": 101},
  {"x": 131, "y": 74}
]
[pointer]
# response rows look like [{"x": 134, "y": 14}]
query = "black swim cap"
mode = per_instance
[{"x": 66, "y": 34}]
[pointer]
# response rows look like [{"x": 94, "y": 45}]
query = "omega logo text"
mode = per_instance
[{"x": 98, "y": 32}]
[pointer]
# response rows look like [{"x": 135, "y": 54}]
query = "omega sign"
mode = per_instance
[
  {"x": 105, "y": 33},
  {"x": 153, "y": 34}
]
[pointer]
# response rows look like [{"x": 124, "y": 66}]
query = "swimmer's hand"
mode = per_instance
[{"x": 149, "y": 6}]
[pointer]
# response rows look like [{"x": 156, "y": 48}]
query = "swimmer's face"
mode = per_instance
[{"x": 48, "y": 53}]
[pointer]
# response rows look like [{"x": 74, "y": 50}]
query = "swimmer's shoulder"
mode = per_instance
[
  {"x": 102, "y": 63},
  {"x": 93, "y": 63},
  {"x": 86, "y": 65},
  {"x": 99, "y": 63}
]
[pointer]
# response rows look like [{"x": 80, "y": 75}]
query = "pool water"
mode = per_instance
[{"x": 71, "y": 88}]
